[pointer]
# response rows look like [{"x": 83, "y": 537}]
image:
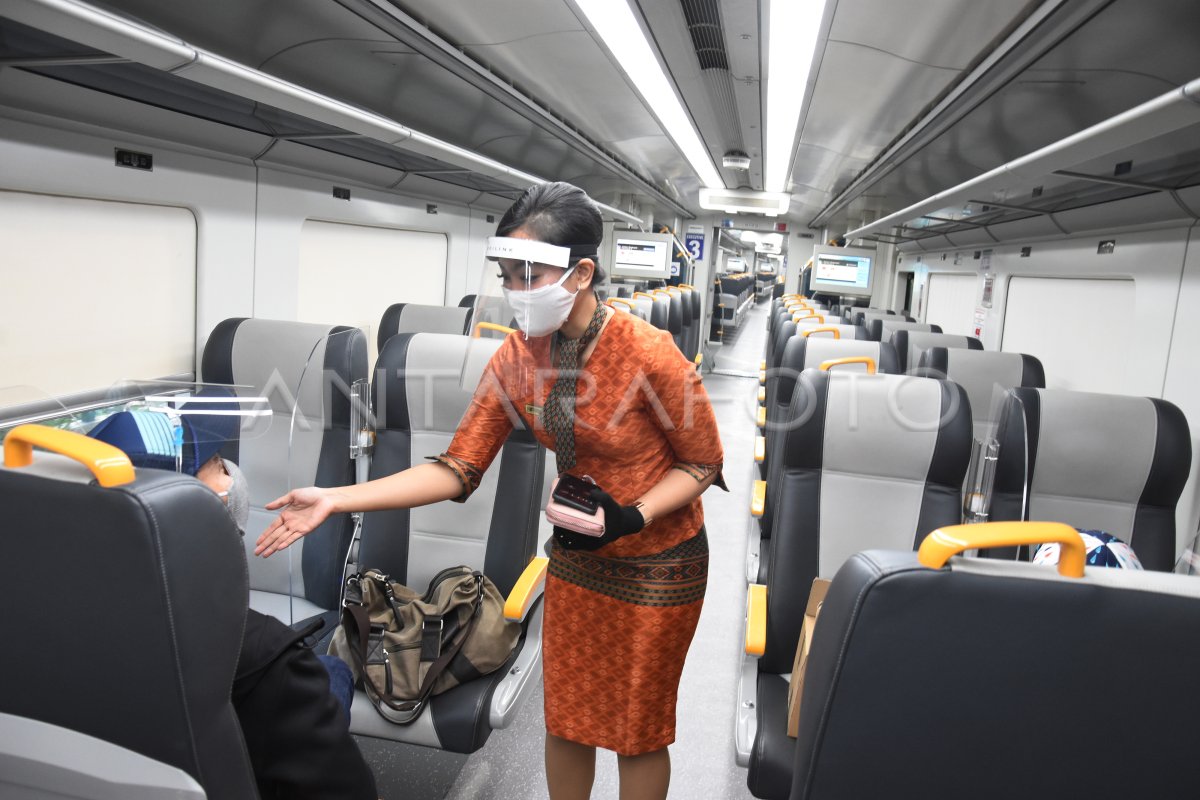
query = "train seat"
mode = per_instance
[
  {"x": 305, "y": 370},
  {"x": 911, "y": 344},
  {"x": 1010, "y": 668},
  {"x": 660, "y": 309},
  {"x": 418, "y": 318},
  {"x": 419, "y": 400},
  {"x": 850, "y": 312},
  {"x": 145, "y": 572},
  {"x": 868, "y": 461},
  {"x": 986, "y": 376},
  {"x": 798, "y": 354},
  {"x": 639, "y": 307},
  {"x": 697, "y": 312},
  {"x": 865, "y": 318},
  {"x": 40, "y": 761},
  {"x": 881, "y": 330},
  {"x": 675, "y": 315},
  {"x": 1096, "y": 461},
  {"x": 688, "y": 326}
]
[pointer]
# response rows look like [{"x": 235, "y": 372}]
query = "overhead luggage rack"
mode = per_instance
[{"x": 1143, "y": 158}]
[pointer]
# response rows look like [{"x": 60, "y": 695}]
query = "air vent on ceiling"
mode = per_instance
[{"x": 708, "y": 39}]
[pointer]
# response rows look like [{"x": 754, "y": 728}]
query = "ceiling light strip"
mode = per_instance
[
  {"x": 793, "y": 28},
  {"x": 620, "y": 32}
]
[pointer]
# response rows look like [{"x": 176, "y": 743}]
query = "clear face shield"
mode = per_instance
[{"x": 520, "y": 288}]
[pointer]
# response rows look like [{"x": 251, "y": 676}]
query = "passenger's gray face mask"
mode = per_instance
[{"x": 238, "y": 501}]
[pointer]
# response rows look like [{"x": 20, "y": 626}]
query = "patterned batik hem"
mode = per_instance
[{"x": 674, "y": 577}]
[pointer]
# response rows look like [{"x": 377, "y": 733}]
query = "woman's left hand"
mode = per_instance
[{"x": 619, "y": 521}]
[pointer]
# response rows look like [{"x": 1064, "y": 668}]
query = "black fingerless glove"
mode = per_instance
[{"x": 619, "y": 521}]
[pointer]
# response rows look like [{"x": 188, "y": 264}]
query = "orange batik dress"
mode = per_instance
[{"x": 619, "y": 619}]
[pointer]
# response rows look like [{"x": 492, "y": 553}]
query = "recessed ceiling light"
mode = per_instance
[{"x": 615, "y": 24}]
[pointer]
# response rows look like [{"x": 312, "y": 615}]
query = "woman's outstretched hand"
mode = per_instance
[{"x": 303, "y": 511}]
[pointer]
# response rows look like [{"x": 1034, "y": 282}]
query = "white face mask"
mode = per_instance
[{"x": 543, "y": 310}]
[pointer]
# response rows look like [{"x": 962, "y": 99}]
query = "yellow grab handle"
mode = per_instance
[
  {"x": 761, "y": 419},
  {"x": 762, "y": 394},
  {"x": 643, "y": 294},
  {"x": 760, "y": 449},
  {"x": 622, "y": 301},
  {"x": 938, "y": 546},
  {"x": 762, "y": 377},
  {"x": 802, "y": 317},
  {"x": 758, "y": 498},
  {"x": 838, "y": 362},
  {"x": 687, "y": 286},
  {"x": 490, "y": 326},
  {"x": 762, "y": 365},
  {"x": 110, "y": 465},
  {"x": 756, "y": 619},
  {"x": 837, "y": 334},
  {"x": 524, "y": 591},
  {"x": 699, "y": 359}
]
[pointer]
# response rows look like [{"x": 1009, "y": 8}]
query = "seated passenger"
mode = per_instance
[{"x": 296, "y": 732}]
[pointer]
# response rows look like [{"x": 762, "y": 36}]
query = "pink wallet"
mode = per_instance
[{"x": 572, "y": 518}]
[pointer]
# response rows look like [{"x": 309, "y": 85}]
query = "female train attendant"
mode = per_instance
[{"x": 616, "y": 401}]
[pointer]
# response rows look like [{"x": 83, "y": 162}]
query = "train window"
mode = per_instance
[
  {"x": 1068, "y": 324},
  {"x": 95, "y": 291},
  {"x": 350, "y": 274},
  {"x": 951, "y": 302}
]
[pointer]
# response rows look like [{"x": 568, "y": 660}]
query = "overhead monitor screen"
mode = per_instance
[
  {"x": 642, "y": 257},
  {"x": 841, "y": 273}
]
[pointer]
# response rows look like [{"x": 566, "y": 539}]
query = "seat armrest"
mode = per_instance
[
  {"x": 756, "y": 619},
  {"x": 527, "y": 589},
  {"x": 758, "y": 498}
]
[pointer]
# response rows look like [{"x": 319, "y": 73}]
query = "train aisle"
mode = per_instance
[{"x": 510, "y": 765}]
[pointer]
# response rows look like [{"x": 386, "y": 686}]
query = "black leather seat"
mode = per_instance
[
  {"x": 881, "y": 330},
  {"x": 995, "y": 680},
  {"x": 306, "y": 371},
  {"x": 985, "y": 375},
  {"x": 867, "y": 461},
  {"x": 132, "y": 600},
  {"x": 418, "y": 318},
  {"x": 910, "y": 345},
  {"x": 419, "y": 400},
  {"x": 796, "y": 354},
  {"x": 1062, "y": 458}
]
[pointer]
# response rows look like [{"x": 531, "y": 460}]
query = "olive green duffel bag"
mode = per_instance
[{"x": 405, "y": 647}]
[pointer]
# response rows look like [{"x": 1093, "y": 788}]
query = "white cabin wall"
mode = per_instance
[
  {"x": 286, "y": 200},
  {"x": 248, "y": 218},
  {"x": 1164, "y": 265},
  {"x": 219, "y": 192}
]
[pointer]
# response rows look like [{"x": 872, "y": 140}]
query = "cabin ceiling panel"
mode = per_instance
[
  {"x": 864, "y": 97},
  {"x": 884, "y": 61},
  {"x": 1128, "y": 52},
  {"x": 250, "y": 31},
  {"x": 938, "y": 33}
]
